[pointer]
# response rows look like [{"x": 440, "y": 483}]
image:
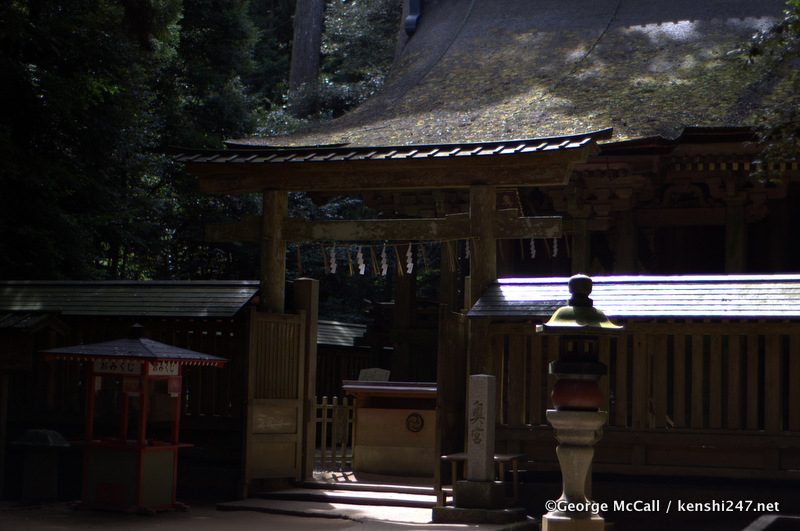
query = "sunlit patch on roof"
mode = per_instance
[{"x": 684, "y": 30}]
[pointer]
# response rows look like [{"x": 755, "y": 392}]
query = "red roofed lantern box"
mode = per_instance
[{"x": 133, "y": 472}]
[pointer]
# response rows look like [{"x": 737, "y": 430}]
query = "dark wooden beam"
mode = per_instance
[
  {"x": 661, "y": 217},
  {"x": 449, "y": 228},
  {"x": 547, "y": 168},
  {"x": 507, "y": 224},
  {"x": 246, "y": 230}
]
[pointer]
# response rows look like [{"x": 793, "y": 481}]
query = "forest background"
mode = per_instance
[{"x": 97, "y": 93}]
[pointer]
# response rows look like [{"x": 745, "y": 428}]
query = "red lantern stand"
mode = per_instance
[{"x": 121, "y": 473}]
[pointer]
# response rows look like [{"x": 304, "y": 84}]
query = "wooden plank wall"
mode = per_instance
[
  {"x": 671, "y": 379},
  {"x": 54, "y": 392}
]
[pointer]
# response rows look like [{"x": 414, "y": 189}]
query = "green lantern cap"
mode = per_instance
[{"x": 579, "y": 316}]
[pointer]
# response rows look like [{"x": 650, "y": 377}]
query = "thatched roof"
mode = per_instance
[{"x": 487, "y": 70}]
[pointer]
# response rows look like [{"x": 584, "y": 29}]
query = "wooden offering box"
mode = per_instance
[{"x": 395, "y": 427}]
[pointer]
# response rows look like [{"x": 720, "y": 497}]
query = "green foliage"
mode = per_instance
[
  {"x": 93, "y": 91},
  {"x": 327, "y": 99},
  {"x": 359, "y": 40},
  {"x": 206, "y": 100},
  {"x": 77, "y": 134},
  {"x": 358, "y": 45},
  {"x": 272, "y": 51},
  {"x": 779, "y": 126}
]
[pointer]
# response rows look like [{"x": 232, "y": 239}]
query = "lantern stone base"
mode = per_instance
[
  {"x": 554, "y": 522},
  {"x": 460, "y": 515}
]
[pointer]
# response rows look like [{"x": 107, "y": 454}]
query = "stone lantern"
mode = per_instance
[{"x": 577, "y": 399}]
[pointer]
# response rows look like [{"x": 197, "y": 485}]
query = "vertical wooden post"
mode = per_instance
[
  {"x": 482, "y": 271},
  {"x": 5, "y": 381},
  {"x": 273, "y": 250},
  {"x": 625, "y": 240},
  {"x": 604, "y": 356},
  {"x": 734, "y": 416},
  {"x": 142, "y": 419},
  {"x": 679, "y": 382},
  {"x": 580, "y": 247},
  {"x": 451, "y": 386},
  {"x": 480, "y": 349},
  {"x": 448, "y": 280},
  {"x": 715, "y": 383},
  {"x": 751, "y": 415},
  {"x": 483, "y": 260},
  {"x": 176, "y": 407},
  {"x": 621, "y": 391},
  {"x": 735, "y": 238},
  {"x": 640, "y": 394},
  {"x": 306, "y": 298},
  {"x": 516, "y": 380},
  {"x": 773, "y": 421},
  {"x": 123, "y": 422},
  {"x": 697, "y": 419},
  {"x": 534, "y": 384},
  {"x": 90, "y": 387},
  {"x": 794, "y": 376}
]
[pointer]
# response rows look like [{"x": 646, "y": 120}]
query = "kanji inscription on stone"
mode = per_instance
[{"x": 480, "y": 447}]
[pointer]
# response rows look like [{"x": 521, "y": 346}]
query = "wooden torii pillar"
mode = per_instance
[{"x": 273, "y": 251}]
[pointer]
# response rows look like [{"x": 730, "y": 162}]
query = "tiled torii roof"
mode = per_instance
[
  {"x": 529, "y": 162},
  {"x": 243, "y": 154},
  {"x": 653, "y": 297}
]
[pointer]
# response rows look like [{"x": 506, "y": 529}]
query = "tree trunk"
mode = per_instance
[{"x": 308, "y": 19}]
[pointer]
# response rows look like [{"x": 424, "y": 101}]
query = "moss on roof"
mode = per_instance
[{"x": 501, "y": 69}]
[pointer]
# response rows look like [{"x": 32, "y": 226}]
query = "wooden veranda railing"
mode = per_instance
[{"x": 698, "y": 385}]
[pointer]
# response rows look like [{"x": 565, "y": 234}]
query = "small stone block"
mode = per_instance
[
  {"x": 479, "y": 494},
  {"x": 458, "y": 515},
  {"x": 564, "y": 523}
]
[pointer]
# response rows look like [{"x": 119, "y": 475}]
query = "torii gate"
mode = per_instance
[{"x": 480, "y": 167}]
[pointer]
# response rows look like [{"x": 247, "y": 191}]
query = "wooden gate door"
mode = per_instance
[{"x": 274, "y": 429}]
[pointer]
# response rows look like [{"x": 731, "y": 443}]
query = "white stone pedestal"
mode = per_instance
[{"x": 576, "y": 432}]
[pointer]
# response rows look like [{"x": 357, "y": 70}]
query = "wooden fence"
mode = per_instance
[
  {"x": 335, "y": 425},
  {"x": 54, "y": 391},
  {"x": 690, "y": 397}
]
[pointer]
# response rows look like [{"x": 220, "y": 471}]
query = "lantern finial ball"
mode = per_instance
[{"x": 580, "y": 286}]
